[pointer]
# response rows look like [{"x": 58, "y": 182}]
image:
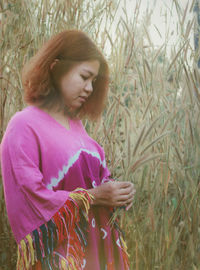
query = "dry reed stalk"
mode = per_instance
[{"x": 158, "y": 148}]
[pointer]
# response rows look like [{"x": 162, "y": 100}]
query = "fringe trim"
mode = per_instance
[
  {"x": 69, "y": 223},
  {"x": 111, "y": 266},
  {"x": 123, "y": 246},
  {"x": 125, "y": 254}
]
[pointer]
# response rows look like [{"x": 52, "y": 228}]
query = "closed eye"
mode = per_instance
[{"x": 84, "y": 77}]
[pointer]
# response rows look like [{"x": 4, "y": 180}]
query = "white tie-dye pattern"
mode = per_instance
[
  {"x": 118, "y": 243},
  {"x": 55, "y": 181},
  {"x": 105, "y": 233},
  {"x": 84, "y": 264},
  {"x": 93, "y": 223},
  {"x": 94, "y": 184},
  {"x": 105, "y": 180}
]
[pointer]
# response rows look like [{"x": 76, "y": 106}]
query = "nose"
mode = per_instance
[{"x": 89, "y": 86}]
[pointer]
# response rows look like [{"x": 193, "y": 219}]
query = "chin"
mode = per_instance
[{"x": 72, "y": 112}]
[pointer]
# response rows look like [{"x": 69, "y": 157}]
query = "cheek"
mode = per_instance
[
  {"x": 65, "y": 85},
  {"x": 70, "y": 90},
  {"x": 71, "y": 85}
]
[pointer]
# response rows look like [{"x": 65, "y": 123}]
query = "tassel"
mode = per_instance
[
  {"x": 123, "y": 245},
  {"x": 63, "y": 265},
  {"x": 30, "y": 242},
  {"x": 125, "y": 254},
  {"x": 52, "y": 231},
  {"x": 37, "y": 244},
  {"x": 68, "y": 224},
  {"x": 80, "y": 194},
  {"x": 80, "y": 234},
  {"x": 19, "y": 259},
  {"x": 71, "y": 260},
  {"x": 24, "y": 251},
  {"x": 45, "y": 239},
  {"x": 110, "y": 266}
]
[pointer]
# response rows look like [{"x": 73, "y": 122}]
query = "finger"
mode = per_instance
[
  {"x": 131, "y": 197},
  {"x": 124, "y": 184},
  {"x": 125, "y": 197},
  {"x": 129, "y": 206},
  {"x": 127, "y": 190},
  {"x": 129, "y": 193},
  {"x": 119, "y": 204},
  {"x": 125, "y": 202}
]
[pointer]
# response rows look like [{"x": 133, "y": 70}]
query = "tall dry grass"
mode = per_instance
[{"x": 150, "y": 129}]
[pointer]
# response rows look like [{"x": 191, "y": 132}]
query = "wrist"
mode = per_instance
[{"x": 95, "y": 193}]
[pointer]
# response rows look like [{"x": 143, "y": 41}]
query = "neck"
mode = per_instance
[{"x": 63, "y": 111}]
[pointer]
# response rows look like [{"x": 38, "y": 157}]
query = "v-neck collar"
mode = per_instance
[{"x": 52, "y": 118}]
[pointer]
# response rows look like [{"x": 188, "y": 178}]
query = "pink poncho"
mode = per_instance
[{"x": 45, "y": 169}]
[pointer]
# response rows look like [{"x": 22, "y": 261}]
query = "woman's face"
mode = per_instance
[{"x": 77, "y": 84}]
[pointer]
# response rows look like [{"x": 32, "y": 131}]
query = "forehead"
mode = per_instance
[{"x": 89, "y": 66}]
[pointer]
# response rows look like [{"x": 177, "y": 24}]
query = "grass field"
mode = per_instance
[{"x": 150, "y": 129}]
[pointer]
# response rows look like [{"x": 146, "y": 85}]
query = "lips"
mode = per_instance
[{"x": 83, "y": 98}]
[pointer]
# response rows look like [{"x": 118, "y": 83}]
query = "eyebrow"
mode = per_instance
[{"x": 90, "y": 72}]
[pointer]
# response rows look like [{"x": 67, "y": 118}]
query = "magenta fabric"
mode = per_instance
[{"x": 41, "y": 162}]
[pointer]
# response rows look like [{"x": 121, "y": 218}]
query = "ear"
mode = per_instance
[{"x": 53, "y": 63}]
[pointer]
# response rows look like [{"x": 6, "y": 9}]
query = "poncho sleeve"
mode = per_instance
[{"x": 40, "y": 218}]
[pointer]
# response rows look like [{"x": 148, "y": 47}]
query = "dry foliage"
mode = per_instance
[{"x": 150, "y": 129}]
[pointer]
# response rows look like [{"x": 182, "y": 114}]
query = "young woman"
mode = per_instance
[{"x": 58, "y": 190}]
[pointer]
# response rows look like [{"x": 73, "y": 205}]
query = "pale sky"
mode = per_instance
[{"x": 164, "y": 18}]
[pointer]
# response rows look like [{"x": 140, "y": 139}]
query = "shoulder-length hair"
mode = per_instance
[{"x": 69, "y": 47}]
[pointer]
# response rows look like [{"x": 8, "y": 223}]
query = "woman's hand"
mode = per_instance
[{"x": 114, "y": 194}]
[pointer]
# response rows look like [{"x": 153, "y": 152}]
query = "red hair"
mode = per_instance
[{"x": 70, "y": 47}]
